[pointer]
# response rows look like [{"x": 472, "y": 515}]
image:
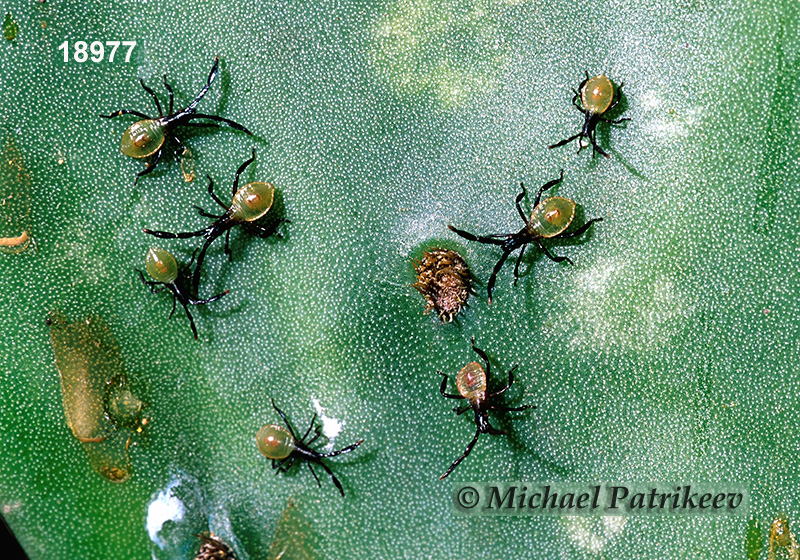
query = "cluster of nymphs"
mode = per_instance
[
  {"x": 443, "y": 276},
  {"x": 147, "y": 139}
]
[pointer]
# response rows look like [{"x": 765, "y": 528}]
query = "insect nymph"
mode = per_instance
[
  {"x": 549, "y": 219},
  {"x": 471, "y": 382},
  {"x": 250, "y": 203},
  {"x": 598, "y": 96},
  {"x": 147, "y": 137},
  {"x": 164, "y": 270},
  {"x": 284, "y": 447}
]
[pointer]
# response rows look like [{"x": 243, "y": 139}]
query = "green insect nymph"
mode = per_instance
[
  {"x": 472, "y": 386},
  {"x": 598, "y": 96},
  {"x": 147, "y": 137},
  {"x": 250, "y": 203},
  {"x": 549, "y": 220},
  {"x": 166, "y": 274},
  {"x": 284, "y": 447}
]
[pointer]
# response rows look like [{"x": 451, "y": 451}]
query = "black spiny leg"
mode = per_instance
[
  {"x": 283, "y": 416},
  {"x": 265, "y": 231},
  {"x": 549, "y": 185},
  {"x": 510, "y": 382},
  {"x": 580, "y": 230},
  {"x": 444, "y": 386},
  {"x": 150, "y": 166},
  {"x": 520, "y": 196},
  {"x": 519, "y": 260},
  {"x": 153, "y": 95},
  {"x": 308, "y": 431},
  {"x": 191, "y": 320},
  {"x": 121, "y": 112},
  {"x": 464, "y": 456},
  {"x": 315, "y": 474},
  {"x": 347, "y": 449},
  {"x": 567, "y": 141},
  {"x": 551, "y": 256},
  {"x": 483, "y": 356},
  {"x": 333, "y": 477},
  {"x": 211, "y": 192},
  {"x": 232, "y": 124},
  {"x": 241, "y": 170},
  {"x": 489, "y": 239},
  {"x": 493, "y": 277},
  {"x": 171, "y": 94}
]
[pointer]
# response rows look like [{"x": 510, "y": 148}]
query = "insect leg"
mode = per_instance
[
  {"x": 204, "y": 213},
  {"x": 580, "y": 230},
  {"x": 310, "y": 426},
  {"x": 191, "y": 320},
  {"x": 567, "y": 141},
  {"x": 550, "y": 255},
  {"x": 444, "y": 386},
  {"x": 483, "y": 356},
  {"x": 597, "y": 148},
  {"x": 200, "y": 258},
  {"x": 153, "y": 95},
  {"x": 232, "y": 124},
  {"x": 347, "y": 449},
  {"x": 171, "y": 94},
  {"x": 150, "y": 166},
  {"x": 493, "y": 277},
  {"x": 228, "y": 245},
  {"x": 264, "y": 232},
  {"x": 549, "y": 185},
  {"x": 510, "y": 383},
  {"x": 211, "y": 76},
  {"x": 283, "y": 416},
  {"x": 168, "y": 235},
  {"x": 333, "y": 478},
  {"x": 490, "y": 239},
  {"x": 520, "y": 196},
  {"x": 464, "y": 456},
  {"x": 211, "y": 192},
  {"x": 121, "y": 112},
  {"x": 241, "y": 170},
  {"x": 313, "y": 473},
  {"x": 209, "y": 300},
  {"x": 618, "y": 121}
]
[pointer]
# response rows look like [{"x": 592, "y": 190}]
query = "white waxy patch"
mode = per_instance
[
  {"x": 331, "y": 427},
  {"x": 164, "y": 507}
]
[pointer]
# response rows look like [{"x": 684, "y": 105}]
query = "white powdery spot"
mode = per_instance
[
  {"x": 330, "y": 426},
  {"x": 165, "y": 507}
]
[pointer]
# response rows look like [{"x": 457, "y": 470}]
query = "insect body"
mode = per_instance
[
  {"x": 146, "y": 138},
  {"x": 549, "y": 220},
  {"x": 284, "y": 447},
  {"x": 162, "y": 267},
  {"x": 472, "y": 386},
  {"x": 250, "y": 203},
  {"x": 597, "y": 97}
]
